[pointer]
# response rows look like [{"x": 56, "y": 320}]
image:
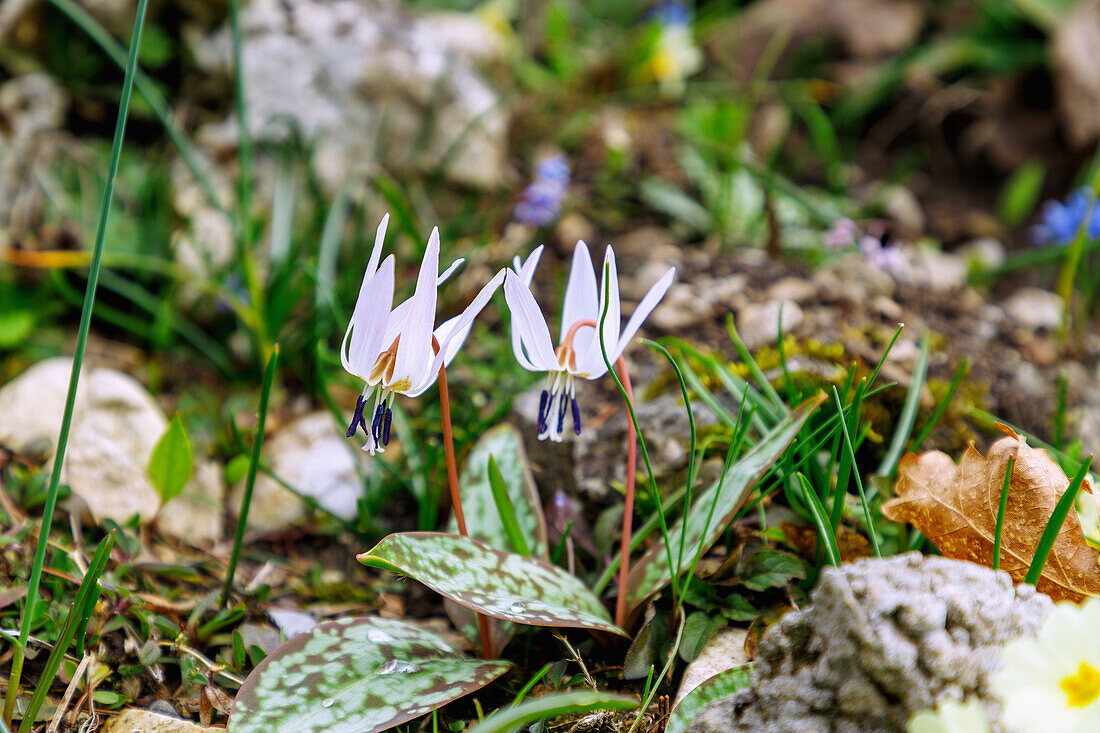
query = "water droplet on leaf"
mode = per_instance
[
  {"x": 517, "y": 608},
  {"x": 328, "y": 702},
  {"x": 397, "y": 666}
]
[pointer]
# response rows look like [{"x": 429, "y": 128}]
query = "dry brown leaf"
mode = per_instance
[{"x": 956, "y": 508}]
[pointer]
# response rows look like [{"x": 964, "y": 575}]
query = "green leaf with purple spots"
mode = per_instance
[
  {"x": 726, "y": 497},
  {"x": 483, "y": 522},
  {"x": 498, "y": 584},
  {"x": 356, "y": 675}
]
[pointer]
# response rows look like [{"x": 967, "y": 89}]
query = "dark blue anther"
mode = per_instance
[
  {"x": 376, "y": 424},
  {"x": 386, "y": 428},
  {"x": 357, "y": 416},
  {"x": 563, "y": 405},
  {"x": 576, "y": 417},
  {"x": 543, "y": 404}
]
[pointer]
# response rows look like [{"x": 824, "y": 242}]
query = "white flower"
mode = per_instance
[
  {"x": 578, "y": 353},
  {"x": 392, "y": 351},
  {"x": 951, "y": 716},
  {"x": 1051, "y": 684}
]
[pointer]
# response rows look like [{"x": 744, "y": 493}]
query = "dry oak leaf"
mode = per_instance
[{"x": 956, "y": 508}]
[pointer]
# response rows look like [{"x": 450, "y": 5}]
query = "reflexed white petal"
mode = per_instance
[
  {"x": 460, "y": 326},
  {"x": 582, "y": 300},
  {"x": 591, "y": 364},
  {"x": 379, "y": 238},
  {"x": 526, "y": 271},
  {"x": 531, "y": 342},
  {"x": 449, "y": 271},
  {"x": 368, "y": 322},
  {"x": 415, "y": 348},
  {"x": 649, "y": 302}
]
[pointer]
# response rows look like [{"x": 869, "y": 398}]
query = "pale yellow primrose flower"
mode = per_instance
[
  {"x": 951, "y": 716},
  {"x": 1051, "y": 684}
]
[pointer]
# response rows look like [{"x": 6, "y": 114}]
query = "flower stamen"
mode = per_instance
[{"x": 1082, "y": 688}]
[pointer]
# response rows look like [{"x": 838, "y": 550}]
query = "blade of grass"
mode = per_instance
[
  {"x": 820, "y": 519},
  {"x": 692, "y": 444},
  {"x": 908, "y": 414},
  {"x": 31, "y": 602},
  {"x": 551, "y": 706},
  {"x": 941, "y": 408},
  {"x": 250, "y": 481},
  {"x": 855, "y": 472},
  {"x": 75, "y": 624},
  {"x": 1054, "y": 525},
  {"x": 244, "y": 189},
  {"x": 663, "y": 521},
  {"x": 506, "y": 510},
  {"x": 758, "y": 374},
  {"x": 1001, "y": 513}
]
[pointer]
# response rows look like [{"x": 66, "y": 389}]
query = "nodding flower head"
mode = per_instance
[
  {"x": 578, "y": 354},
  {"x": 400, "y": 351}
]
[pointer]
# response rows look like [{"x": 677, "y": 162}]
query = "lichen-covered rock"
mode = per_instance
[
  {"x": 883, "y": 639},
  {"x": 367, "y": 82}
]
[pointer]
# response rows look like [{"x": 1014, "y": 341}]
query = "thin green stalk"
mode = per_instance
[
  {"x": 506, "y": 510},
  {"x": 828, "y": 539},
  {"x": 76, "y": 622},
  {"x": 908, "y": 414},
  {"x": 693, "y": 442},
  {"x": 1054, "y": 525},
  {"x": 638, "y": 432},
  {"x": 941, "y": 408},
  {"x": 250, "y": 481},
  {"x": 1001, "y": 513},
  {"x": 31, "y": 603},
  {"x": 244, "y": 194},
  {"x": 757, "y": 373},
  {"x": 664, "y": 671},
  {"x": 855, "y": 472},
  {"x": 147, "y": 88}
]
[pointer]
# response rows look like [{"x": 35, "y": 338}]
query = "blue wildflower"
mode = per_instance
[
  {"x": 541, "y": 201},
  {"x": 670, "y": 12},
  {"x": 1061, "y": 221}
]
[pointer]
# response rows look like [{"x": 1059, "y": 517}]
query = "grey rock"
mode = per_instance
[
  {"x": 196, "y": 515},
  {"x": 313, "y": 457},
  {"x": 758, "y": 324},
  {"x": 32, "y": 405},
  {"x": 883, "y": 639},
  {"x": 699, "y": 301},
  {"x": 361, "y": 78},
  {"x": 1034, "y": 309},
  {"x": 586, "y": 464},
  {"x": 110, "y": 445},
  {"x": 32, "y": 110}
]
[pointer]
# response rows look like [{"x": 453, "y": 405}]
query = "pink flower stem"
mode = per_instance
[{"x": 456, "y": 496}]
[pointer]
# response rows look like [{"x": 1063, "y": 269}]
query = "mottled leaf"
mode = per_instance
[
  {"x": 502, "y": 585},
  {"x": 553, "y": 706},
  {"x": 483, "y": 522},
  {"x": 719, "y": 687},
  {"x": 652, "y": 572},
  {"x": 771, "y": 569},
  {"x": 956, "y": 508},
  {"x": 172, "y": 461},
  {"x": 356, "y": 675}
]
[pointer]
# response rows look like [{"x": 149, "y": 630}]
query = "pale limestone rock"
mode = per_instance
[
  {"x": 195, "y": 516},
  {"x": 312, "y": 456},
  {"x": 758, "y": 324}
]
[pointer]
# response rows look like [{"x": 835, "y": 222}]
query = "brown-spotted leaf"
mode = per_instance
[{"x": 956, "y": 508}]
